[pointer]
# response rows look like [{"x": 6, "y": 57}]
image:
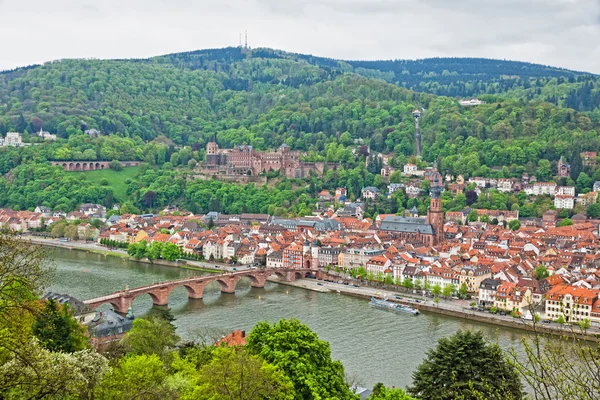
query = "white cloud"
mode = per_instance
[{"x": 564, "y": 33}]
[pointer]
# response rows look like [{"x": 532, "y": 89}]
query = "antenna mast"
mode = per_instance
[{"x": 246, "y": 45}]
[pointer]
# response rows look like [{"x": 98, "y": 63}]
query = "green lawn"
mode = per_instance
[{"x": 116, "y": 179}]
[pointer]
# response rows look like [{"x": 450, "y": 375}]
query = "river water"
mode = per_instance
[{"x": 375, "y": 345}]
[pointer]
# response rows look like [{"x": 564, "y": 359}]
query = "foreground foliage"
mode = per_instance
[
  {"x": 296, "y": 349},
  {"x": 464, "y": 366}
]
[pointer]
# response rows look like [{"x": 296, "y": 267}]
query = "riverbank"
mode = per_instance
[
  {"x": 458, "y": 309},
  {"x": 122, "y": 254}
]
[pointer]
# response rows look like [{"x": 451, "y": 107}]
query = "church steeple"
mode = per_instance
[{"x": 435, "y": 214}]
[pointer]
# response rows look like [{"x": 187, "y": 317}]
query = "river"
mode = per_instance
[{"x": 376, "y": 345}]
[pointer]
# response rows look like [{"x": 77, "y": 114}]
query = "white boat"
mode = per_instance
[{"x": 388, "y": 305}]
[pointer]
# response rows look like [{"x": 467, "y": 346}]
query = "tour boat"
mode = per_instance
[{"x": 388, "y": 305}]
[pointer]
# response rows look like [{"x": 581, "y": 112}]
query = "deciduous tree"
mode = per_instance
[{"x": 304, "y": 358}]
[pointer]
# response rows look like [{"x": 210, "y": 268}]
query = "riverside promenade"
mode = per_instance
[{"x": 450, "y": 307}]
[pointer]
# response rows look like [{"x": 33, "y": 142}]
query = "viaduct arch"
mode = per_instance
[{"x": 90, "y": 165}]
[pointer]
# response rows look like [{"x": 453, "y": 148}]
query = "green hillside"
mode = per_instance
[{"x": 116, "y": 179}]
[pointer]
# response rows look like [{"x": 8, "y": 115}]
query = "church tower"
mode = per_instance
[{"x": 435, "y": 214}]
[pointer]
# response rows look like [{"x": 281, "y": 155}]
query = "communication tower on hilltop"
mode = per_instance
[{"x": 417, "y": 115}]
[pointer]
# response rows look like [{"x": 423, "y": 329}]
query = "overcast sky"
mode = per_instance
[{"x": 563, "y": 33}]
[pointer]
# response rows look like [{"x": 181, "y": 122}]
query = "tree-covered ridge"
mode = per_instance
[
  {"x": 142, "y": 100},
  {"x": 454, "y": 77}
]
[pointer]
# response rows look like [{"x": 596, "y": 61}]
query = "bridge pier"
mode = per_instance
[
  {"x": 258, "y": 281},
  {"x": 196, "y": 290},
  {"x": 228, "y": 283}
]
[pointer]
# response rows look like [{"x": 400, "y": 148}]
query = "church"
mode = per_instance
[{"x": 429, "y": 231}]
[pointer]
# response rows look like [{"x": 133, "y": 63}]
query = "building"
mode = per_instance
[
  {"x": 379, "y": 265},
  {"x": 46, "y": 135},
  {"x": 429, "y": 231},
  {"x": 245, "y": 160},
  {"x": 370, "y": 192},
  {"x": 539, "y": 188},
  {"x": 565, "y": 190},
  {"x": 275, "y": 260},
  {"x": 572, "y": 303},
  {"x": 93, "y": 210},
  {"x": 386, "y": 171},
  {"x": 340, "y": 194},
  {"x": 353, "y": 257},
  {"x": 410, "y": 169},
  {"x": 393, "y": 187},
  {"x": 81, "y": 311},
  {"x": 585, "y": 199},
  {"x": 108, "y": 327},
  {"x": 472, "y": 102},
  {"x": 413, "y": 191},
  {"x": 13, "y": 139},
  {"x": 443, "y": 277},
  {"x": 564, "y": 169},
  {"x": 505, "y": 185},
  {"x": 329, "y": 255},
  {"x": 564, "y": 202},
  {"x": 588, "y": 158},
  {"x": 479, "y": 181},
  {"x": 487, "y": 291},
  {"x": 473, "y": 276},
  {"x": 511, "y": 297}
]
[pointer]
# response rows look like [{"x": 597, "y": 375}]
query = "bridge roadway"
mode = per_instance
[{"x": 160, "y": 291}]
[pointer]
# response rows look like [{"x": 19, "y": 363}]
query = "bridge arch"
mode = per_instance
[
  {"x": 159, "y": 297},
  {"x": 70, "y": 167},
  {"x": 84, "y": 166}
]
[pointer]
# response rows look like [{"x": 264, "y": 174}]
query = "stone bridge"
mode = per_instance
[
  {"x": 89, "y": 165},
  {"x": 159, "y": 292}
]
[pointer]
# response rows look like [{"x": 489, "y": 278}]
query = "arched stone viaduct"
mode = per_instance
[
  {"x": 90, "y": 165},
  {"x": 159, "y": 292}
]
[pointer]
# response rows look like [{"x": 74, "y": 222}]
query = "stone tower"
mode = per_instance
[
  {"x": 314, "y": 250},
  {"x": 435, "y": 214}
]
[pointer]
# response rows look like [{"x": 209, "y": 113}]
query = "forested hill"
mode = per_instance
[
  {"x": 454, "y": 77},
  {"x": 266, "y": 98}
]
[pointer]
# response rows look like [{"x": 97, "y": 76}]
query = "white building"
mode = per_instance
[
  {"x": 505, "y": 185},
  {"x": 212, "y": 248},
  {"x": 393, "y": 187},
  {"x": 410, "y": 169},
  {"x": 539, "y": 188},
  {"x": 13, "y": 139},
  {"x": 565, "y": 190},
  {"x": 472, "y": 102},
  {"x": 370, "y": 192},
  {"x": 46, "y": 135},
  {"x": 480, "y": 182},
  {"x": 564, "y": 201},
  {"x": 275, "y": 260}
]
